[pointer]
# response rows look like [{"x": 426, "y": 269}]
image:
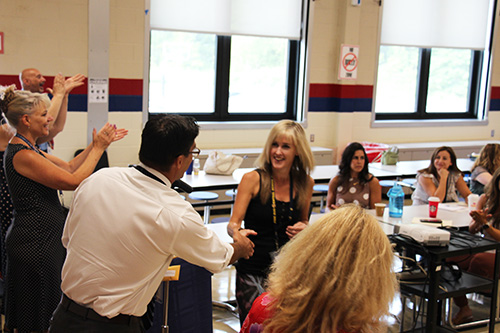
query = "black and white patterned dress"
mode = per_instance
[
  {"x": 5, "y": 218},
  {"x": 35, "y": 254}
]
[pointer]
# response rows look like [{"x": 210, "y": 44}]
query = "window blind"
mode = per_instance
[
  {"x": 273, "y": 18},
  {"x": 437, "y": 23}
]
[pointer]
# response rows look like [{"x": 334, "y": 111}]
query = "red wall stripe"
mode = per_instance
[
  {"x": 130, "y": 87},
  {"x": 340, "y": 91}
]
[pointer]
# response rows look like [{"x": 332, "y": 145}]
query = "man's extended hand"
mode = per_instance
[{"x": 243, "y": 246}]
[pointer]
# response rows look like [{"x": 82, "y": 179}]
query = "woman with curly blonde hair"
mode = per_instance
[{"x": 335, "y": 276}]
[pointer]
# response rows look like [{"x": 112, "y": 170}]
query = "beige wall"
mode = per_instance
[{"x": 52, "y": 35}]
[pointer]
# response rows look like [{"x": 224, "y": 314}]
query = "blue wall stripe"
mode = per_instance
[
  {"x": 121, "y": 103},
  {"x": 77, "y": 103},
  {"x": 495, "y": 105},
  {"x": 125, "y": 103},
  {"x": 334, "y": 104}
]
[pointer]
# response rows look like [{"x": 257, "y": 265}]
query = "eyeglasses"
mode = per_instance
[{"x": 196, "y": 152}]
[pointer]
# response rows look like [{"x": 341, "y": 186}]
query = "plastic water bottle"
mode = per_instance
[
  {"x": 196, "y": 166},
  {"x": 396, "y": 200}
]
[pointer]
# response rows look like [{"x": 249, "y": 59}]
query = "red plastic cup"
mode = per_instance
[{"x": 433, "y": 206}]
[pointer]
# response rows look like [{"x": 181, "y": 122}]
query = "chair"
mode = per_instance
[
  {"x": 102, "y": 163},
  {"x": 476, "y": 323},
  {"x": 386, "y": 185},
  {"x": 206, "y": 197},
  {"x": 323, "y": 189},
  {"x": 409, "y": 182},
  {"x": 232, "y": 195}
]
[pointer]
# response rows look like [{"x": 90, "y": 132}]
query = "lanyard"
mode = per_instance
[
  {"x": 290, "y": 210},
  {"x": 148, "y": 174},
  {"x": 28, "y": 143}
]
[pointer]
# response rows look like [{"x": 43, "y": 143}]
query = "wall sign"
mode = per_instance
[
  {"x": 98, "y": 90},
  {"x": 348, "y": 69}
]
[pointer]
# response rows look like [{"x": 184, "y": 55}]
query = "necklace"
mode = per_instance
[
  {"x": 28, "y": 142},
  {"x": 290, "y": 211}
]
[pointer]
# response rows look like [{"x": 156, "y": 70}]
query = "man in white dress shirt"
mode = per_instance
[{"x": 123, "y": 229}]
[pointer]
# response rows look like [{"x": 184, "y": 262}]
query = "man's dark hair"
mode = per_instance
[{"x": 164, "y": 138}]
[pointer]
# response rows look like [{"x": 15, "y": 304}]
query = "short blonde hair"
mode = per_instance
[
  {"x": 16, "y": 103},
  {"x": 336, "y": 274},
  {"x": 302, "y": 165}
]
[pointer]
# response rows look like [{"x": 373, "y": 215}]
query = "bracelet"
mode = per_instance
[{"x": 241, "y": 229}]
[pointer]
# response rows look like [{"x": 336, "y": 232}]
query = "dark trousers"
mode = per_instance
[{"x": 64, "y": 321}]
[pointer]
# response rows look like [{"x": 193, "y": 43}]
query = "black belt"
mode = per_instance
[{"x": 88, "y": 313}]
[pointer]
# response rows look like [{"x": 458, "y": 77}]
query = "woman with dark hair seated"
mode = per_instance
[{"x": 354, "y": 184}]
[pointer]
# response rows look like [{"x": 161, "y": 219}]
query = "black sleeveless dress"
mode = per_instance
[
  {"x": 5, "y": 220},
  {"x": 259, "y": 217},
  {"x": 35, "y": 254}
]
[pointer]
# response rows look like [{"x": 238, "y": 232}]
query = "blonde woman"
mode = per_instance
[
  {"x": 335, "y": 276},
  {"x": 34, "y": 249},
  {"x": 274, "y": 200},
  {"x": 484, "y": 167}
]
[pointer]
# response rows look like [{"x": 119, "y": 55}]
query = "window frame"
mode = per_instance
[
  {"x": 478, "y": 95},
  {"x": 297, "y": 83},
  {"x": 422, "y": 90}
]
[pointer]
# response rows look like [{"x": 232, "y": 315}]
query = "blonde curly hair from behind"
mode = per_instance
[
  {"x": 336, "y": 274},
  {"x": 16, "y": 103}
]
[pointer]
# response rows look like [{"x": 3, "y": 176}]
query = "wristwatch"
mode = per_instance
[{"x": 485, "y": 226}]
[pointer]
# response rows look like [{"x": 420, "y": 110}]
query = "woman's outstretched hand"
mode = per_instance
[{"x": 104, "y": 137}]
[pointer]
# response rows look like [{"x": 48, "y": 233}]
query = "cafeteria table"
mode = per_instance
[{"x": 409, "y": 168}]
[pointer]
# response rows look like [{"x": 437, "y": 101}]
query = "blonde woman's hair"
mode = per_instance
[
  {"x": 489, "y": 158},
  {"x": 302, "y": 165},
  {"x": 16, "y": 103},
  {"x": 336, "y": 274}
]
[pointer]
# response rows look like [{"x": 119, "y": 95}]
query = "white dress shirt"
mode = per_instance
[{"x": 121, "y": 234}]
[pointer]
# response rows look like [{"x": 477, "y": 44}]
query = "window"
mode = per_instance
[
  {"x": 436, "y": 72},
  {"x": 217, "y": 74}
]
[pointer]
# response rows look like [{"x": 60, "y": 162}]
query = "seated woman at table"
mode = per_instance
[
  {"x": 441, "y": 179},
  {"x": 484, "y": 166},
  {"x": 274, "y": 200},
  {"x": 353, "y": 183},
  {"x": 323, "y": 280},
  {"x": 486, "y": 219}
]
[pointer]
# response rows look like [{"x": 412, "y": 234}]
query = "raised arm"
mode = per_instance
[
  {"x": 431, "y": 189},
  {"x": 331, "y": 197},
  {"x": 248, "y": 188},
  {"x": 56, "y": 102},
  {"x": 59, "y": 103},
  {"x": 293, "y": 230},
  {"x": 375, "y": 192},
  {"x": 57, "y": 174}
]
